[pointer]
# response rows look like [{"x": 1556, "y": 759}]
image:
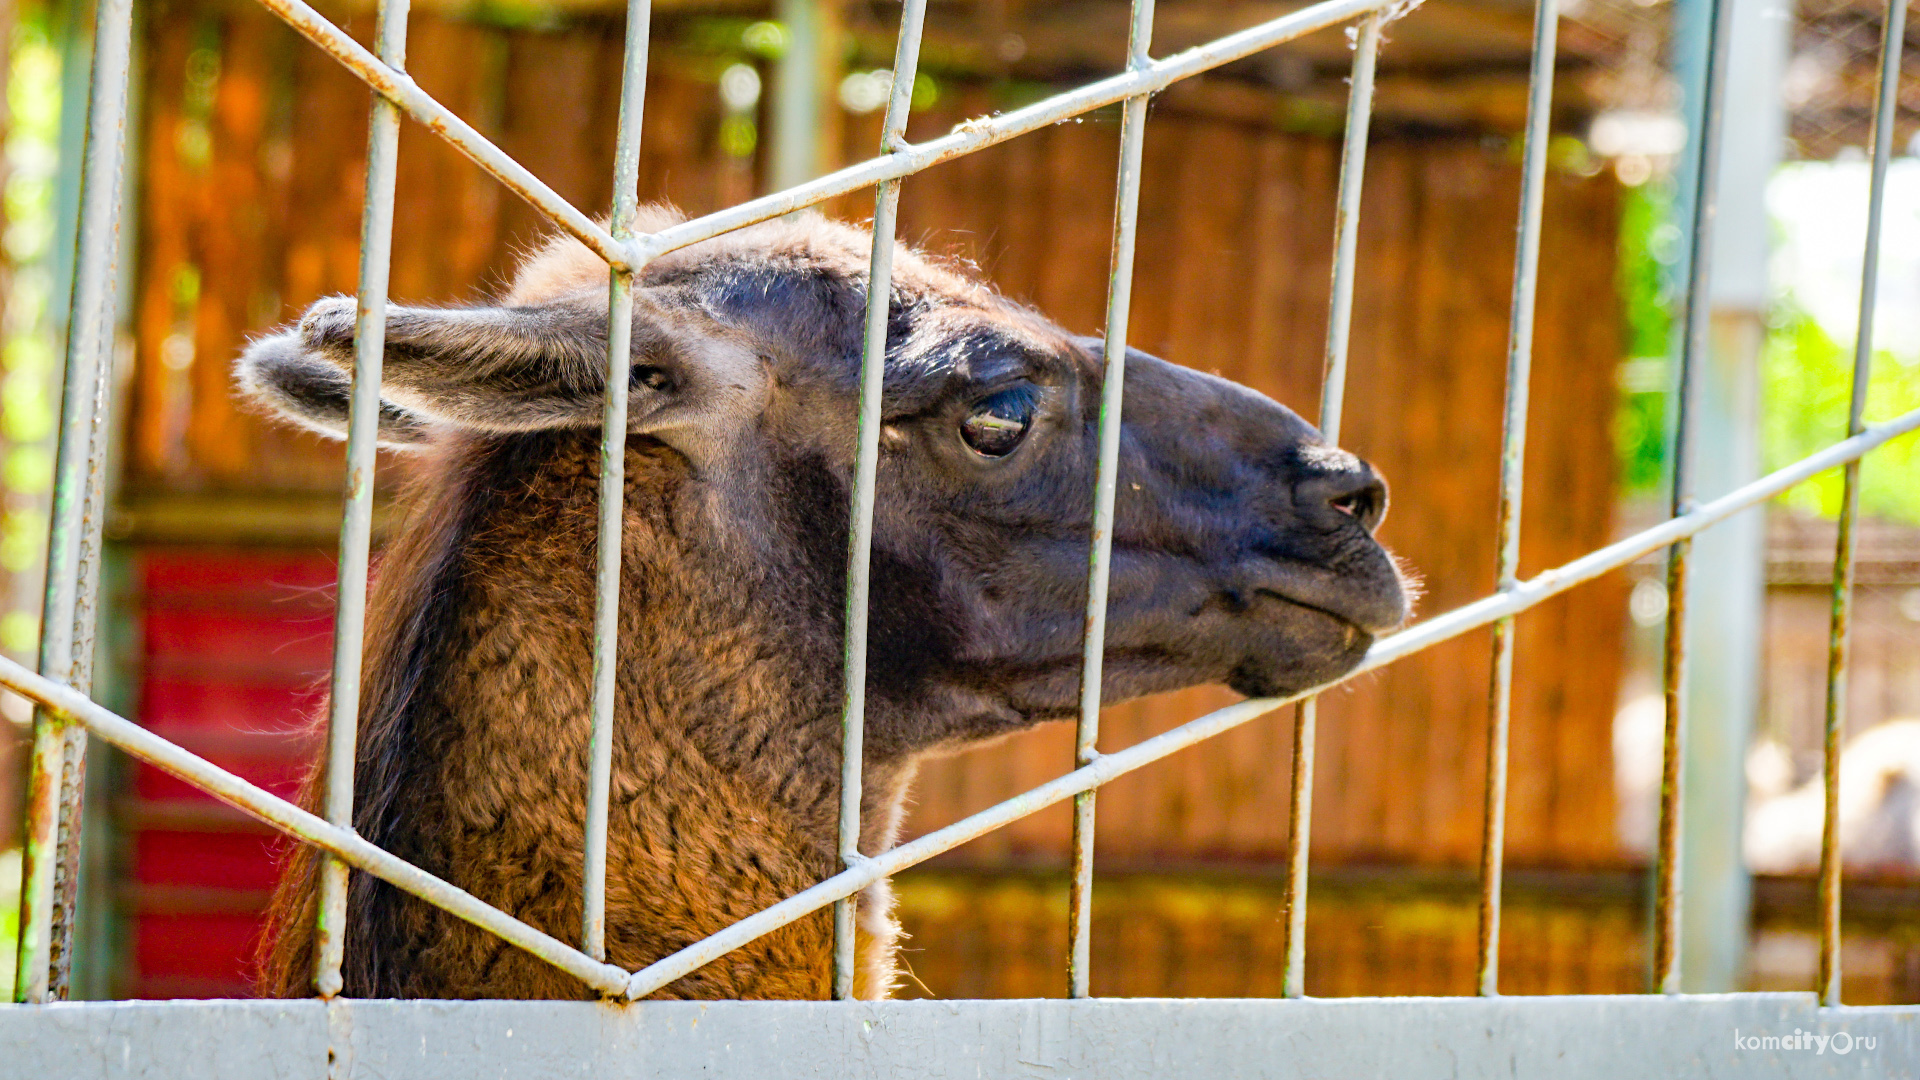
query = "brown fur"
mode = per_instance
[{"x": 475, "y": 707}]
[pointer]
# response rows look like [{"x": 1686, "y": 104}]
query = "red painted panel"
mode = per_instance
[
  {"x": 235, "y": 648},
  {"x": 211, "y": 952},
  {"x": 171, "y": 705},
  {"x": 221, "y": 860}
]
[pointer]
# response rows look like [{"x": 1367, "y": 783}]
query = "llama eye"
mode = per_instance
[{"x": 996, "y": 425}]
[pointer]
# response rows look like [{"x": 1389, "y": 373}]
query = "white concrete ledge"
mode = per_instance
[{"x": 1603, "y": 1038}]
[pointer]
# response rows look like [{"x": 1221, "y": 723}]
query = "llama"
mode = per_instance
[{"x": 1243, "y": 554}]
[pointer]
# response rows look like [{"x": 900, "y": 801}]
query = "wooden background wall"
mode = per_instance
[{"x": 249, "y": 206}]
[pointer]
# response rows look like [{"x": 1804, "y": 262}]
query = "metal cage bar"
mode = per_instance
[
  {"x": 68, "y": 704},
  {"x": 55, "y": 786},
  {"x": 1333, "y": 392},
  {"x": 1126, "y": 214},
  {"x": 873, "y": 368},
  {"x": 398, "y": 87},
  {"x": 1892, "y": 43},
  {"x": 1693, "y": 351},
  {"x": 613, "y": 484},
  {"x": 1513, "y": 459},
  {"x": 356, "y": 516},
  {"x": 982, "y": 132},
  {"x": 73, "y": 706}
]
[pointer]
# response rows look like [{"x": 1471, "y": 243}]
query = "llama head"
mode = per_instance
[{"x": 1243, "y": 543}]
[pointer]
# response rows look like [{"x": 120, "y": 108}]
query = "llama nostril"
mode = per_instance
[{"x": 1363, "y": 498}]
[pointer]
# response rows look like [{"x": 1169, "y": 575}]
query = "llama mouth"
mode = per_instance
[
  {"x": 1371, "y": 603},
  {"x": 1350, "y": 629}
]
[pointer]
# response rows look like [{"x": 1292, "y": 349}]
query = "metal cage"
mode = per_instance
[{"x": 1668, "y": 1033}]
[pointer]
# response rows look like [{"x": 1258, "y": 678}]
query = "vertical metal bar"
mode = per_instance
[
  {"x": 873, "y": 367},
  {"x": 1333, "y": 389},
  {"x": 613, "y": 472},
  {"x": 1892, "y": 42},
  {"x": 356, "y": 517},
  {"x": 1513, "y": 449},
  {"x": 1126, "y": 212},
  {"x": 1666, "y": 943},
  {"x": 51, "y": 865}
]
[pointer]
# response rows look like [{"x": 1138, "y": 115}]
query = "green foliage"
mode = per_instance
[
  {"x": 1648, "y": 245},
  {"x": 9, "y": 917},
  {"x": 1808, "y": 378}
]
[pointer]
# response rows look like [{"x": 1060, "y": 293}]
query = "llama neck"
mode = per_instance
[{"x": 726, "y": 751}]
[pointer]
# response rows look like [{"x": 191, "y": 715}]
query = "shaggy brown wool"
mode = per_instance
[{"x": 1243, "y": 545}]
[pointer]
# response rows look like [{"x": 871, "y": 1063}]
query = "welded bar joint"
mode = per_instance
[
  {"x": 873, "y": 367},
  {"x": 983, "y": 132},
  {"x": 1513, "y": 448},
  {"x": 1461, "y": 620},
  {"x": 398, "y": 87},
  {"x": 613, "y": 471},
  {"x": 50, "y": 867},
  {"x": 72, "y": 706},
  {"x": 1126, "y": 214}
]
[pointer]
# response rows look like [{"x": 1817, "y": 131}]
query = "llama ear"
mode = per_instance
[
  {"x": 505, "y": 369},
  {"x": 280, "y": 373}
]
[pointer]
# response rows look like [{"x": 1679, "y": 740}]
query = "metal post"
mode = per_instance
[
  {"x": 805, "y": 128},
  {"x": 1526, "y": 274},
  {"x": 1892, "y": 42},
  {"x": 1333, "y": 389},
  {"x": 50, "y": 869},
  {"x": 873, "y": 367},
  {"x": 356, "y": 517},
  {"x": 1666, "y": 963},
  {"x": 1126, "y": 213},
  {"x": 613, "y": 471}
]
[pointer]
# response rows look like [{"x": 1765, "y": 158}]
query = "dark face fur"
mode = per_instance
[{"x": 1243, "y": 547}]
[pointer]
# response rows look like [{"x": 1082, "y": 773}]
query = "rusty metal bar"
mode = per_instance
[
  {"x": 1513, "y": 450},
  {"x": 1693, "y": 351},
  {"x": 613, "y": 484},
  {"x": 1892, "y": 43},
  {"x": 51, "y": 864},
  {"x": 70, "y": 705},
  {"x": 1333, "y": 391},
  {"x": 356, "y": 516},
  {"x": 1483, "y": 612},
  {"x": 873, "y": 369},
  {"x": 398, "y": 87},
  {"x": 982, "y": 132},
  {"x": 73, "y": 706},
  {"x": 1126, "y": 214}
]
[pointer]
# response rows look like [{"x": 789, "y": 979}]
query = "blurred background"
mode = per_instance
[{"x": 243, "y": 206}]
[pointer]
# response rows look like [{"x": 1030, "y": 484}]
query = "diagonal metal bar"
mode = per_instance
[
  {"x": 1126, "y": 214},
  {"x": 356, "y": 517},
  {"x": 873, "y": 368},
  {"x": 74, "y": 707},
  {"x": 613, "y": 485},
  {"x": 1333, "y": 391},
  {"x": 51, "y": 866},
  {"x": 1526, "y": 275},
  {"x": 1693, "y": 350},
  {"x": 399, "y": 88},
  {"x": 978, "y": 134},
  {"x": 1527, "y": 594},
  {"x": 1892, "y": 43}
]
